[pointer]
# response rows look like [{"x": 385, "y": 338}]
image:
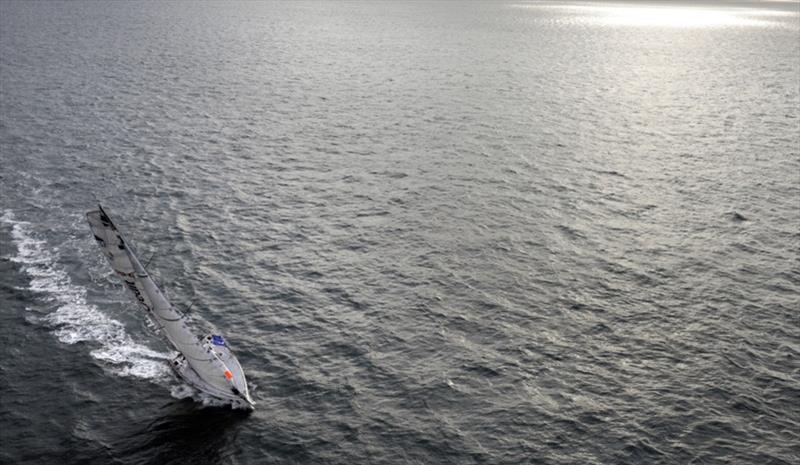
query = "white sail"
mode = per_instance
[{"x": 213, "y": 368}]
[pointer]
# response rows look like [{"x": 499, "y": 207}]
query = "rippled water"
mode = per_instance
[{"x": 485, "y": 232}]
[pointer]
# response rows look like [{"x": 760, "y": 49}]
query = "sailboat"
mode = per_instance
[{"x": 205, "y": 363}]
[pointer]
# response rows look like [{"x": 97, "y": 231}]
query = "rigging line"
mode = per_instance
[
  {"x": 191, "y": 304},
  {"x": 184, "y": 313}
]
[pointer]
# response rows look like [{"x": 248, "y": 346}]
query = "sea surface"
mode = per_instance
[{"x": 480, "y": 232}]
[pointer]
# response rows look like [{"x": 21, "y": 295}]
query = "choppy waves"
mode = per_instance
[{"x": 431, "y": 234}]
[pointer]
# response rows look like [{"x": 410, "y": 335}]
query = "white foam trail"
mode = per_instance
[{"x": 74, "y": 320}]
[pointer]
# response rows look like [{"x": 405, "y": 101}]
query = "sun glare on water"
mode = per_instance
[
  {"x": 668, "y": 16},
  {"x": 685, "y": 16}
]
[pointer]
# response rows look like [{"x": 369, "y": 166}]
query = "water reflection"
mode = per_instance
[{"x": 669, "y": 16}]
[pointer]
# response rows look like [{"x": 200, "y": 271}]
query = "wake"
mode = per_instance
[{"x": 74, "y": 320}]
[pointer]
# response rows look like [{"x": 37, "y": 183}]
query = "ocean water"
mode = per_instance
[{"x": 495, "y": 232}]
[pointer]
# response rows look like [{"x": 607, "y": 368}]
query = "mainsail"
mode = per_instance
[{"x": 211, "y": 366}]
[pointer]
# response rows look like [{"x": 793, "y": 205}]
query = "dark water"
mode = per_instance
[{"x": 478, "y": 232}]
